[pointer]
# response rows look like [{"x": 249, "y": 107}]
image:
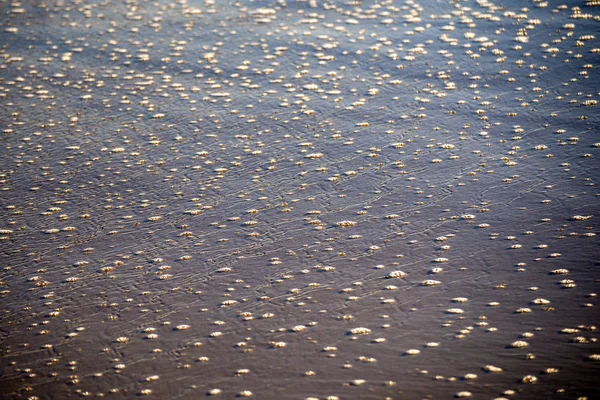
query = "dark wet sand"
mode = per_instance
[{"x": 299, "y": 199}]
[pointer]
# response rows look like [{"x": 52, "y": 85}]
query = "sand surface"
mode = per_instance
[{"x": 299, "y": 199}]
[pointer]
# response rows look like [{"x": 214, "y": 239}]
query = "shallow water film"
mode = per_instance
[{"x": 299, "y": 199}]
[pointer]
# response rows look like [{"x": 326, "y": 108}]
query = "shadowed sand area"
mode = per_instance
[{"x": 299, "y": 199}]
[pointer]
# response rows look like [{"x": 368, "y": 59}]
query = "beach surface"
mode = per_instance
[{"x": 299, "y": 199}]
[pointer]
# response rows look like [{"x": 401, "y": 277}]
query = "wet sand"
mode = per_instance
[{"x": 299, "y": 199}]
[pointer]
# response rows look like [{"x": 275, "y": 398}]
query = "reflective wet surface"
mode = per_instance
[{"x": 299, "y": 199}]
